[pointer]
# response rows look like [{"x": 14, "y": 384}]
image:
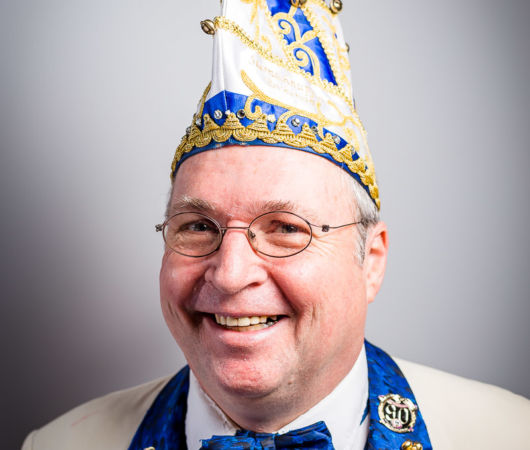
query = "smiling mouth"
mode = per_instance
[{"x": 249, "y": 323}]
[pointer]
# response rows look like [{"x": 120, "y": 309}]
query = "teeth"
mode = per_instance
[
  {"x": 220, "y": 319},
  {"x": 243, "y": 322},
  {"x": 250, "y": 322},
  {"x": 231, "y": 321}
]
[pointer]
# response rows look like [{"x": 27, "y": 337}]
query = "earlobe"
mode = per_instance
[{"x": 375, "y": 259}]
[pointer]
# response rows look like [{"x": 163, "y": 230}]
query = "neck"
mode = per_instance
[{"x": 268, "y": 415}]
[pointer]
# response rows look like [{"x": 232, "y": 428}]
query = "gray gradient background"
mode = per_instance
[{"x": 94, "y": 98}]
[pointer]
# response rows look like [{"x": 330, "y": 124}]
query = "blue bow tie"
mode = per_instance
[{"x": 314, "y": 436}]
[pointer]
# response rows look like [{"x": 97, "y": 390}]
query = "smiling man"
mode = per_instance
[
  {"x": 275, "y": 315},
  {"x": 273, "y": 252}
]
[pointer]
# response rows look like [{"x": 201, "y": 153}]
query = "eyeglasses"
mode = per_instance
[{"x": 277, "y": 233}]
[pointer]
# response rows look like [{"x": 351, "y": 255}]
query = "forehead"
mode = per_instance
[{"x": 253, "y": 179}]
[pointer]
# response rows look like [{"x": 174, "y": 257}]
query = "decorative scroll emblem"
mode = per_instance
[{"x": 397, "y": 413}]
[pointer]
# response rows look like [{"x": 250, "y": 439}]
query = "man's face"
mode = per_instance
[{"x": 320, "y": 295}]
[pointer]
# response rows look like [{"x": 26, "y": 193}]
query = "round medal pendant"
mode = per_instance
[{"x": 397, "y": 413}]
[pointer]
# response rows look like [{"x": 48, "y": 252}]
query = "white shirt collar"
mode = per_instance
[{"x": 342, "y": 411}]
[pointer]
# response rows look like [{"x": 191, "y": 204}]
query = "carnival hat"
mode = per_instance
[{"x": 281, "y": 78}]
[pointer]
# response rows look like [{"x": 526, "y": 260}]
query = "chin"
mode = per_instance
[{"x": 244, "y": 378}]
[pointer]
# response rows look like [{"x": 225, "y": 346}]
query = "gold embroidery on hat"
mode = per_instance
[
  {"x": 317, "y": 117},
  {"x": 338, "y": 61},
  {"x": 230, "y": 26},
  {"x": 342, "y": 51},
  {"x": 297, "y": 51},
  {"x": 281, "y": 134},
  {"x": 339, "y": 70}
]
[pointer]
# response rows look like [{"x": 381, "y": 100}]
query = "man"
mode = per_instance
[{"x": 274, "y": 249}]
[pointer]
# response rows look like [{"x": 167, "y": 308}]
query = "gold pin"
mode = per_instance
[
  {"x": 208, "y": 26},
  {"x": 397, "y": 413},
  {"x": 335, "y": 6},
  {"x": 409, "y": 445}
]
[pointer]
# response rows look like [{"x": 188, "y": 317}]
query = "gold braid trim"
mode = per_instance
[{"x": 282, "y": 133}]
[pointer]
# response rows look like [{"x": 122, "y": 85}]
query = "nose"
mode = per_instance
[{"x": 235, "y": 266}]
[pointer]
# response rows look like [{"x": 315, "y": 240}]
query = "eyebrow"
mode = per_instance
[
  {"x": 187, "y": 203},
  {"x": 283, "y": 205}
]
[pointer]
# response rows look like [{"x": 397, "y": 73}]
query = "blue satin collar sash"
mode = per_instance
[{"x": 395, "y": 419}]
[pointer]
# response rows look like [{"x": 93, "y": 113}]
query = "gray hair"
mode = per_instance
[{"x": 366, "y": 213}]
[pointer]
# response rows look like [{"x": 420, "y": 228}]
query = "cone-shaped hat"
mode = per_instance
[{"x": 281, "y": 78}]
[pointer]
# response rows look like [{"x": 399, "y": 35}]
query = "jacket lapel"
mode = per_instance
[
  {"x": 164, "y": 423},
  {"x": 395, "y": 419}
]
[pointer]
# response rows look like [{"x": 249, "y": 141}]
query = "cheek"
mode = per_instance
[
  {"x": 329, "y": 299},
  {"x": 177, "y": 282},
  {"x": 316, "y": 279}
]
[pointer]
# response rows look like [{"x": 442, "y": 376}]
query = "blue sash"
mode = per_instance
[{"x": 395, "y": 419}]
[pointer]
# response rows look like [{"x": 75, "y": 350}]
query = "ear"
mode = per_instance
[{"x": 374, "y": 265}]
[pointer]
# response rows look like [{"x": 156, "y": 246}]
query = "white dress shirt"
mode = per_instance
[{"x": 342, "y": 411}]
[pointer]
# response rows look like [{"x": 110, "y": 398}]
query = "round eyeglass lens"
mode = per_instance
[
  {"x": 279, "y": 234},
  {"x": 192, "y": 234}
]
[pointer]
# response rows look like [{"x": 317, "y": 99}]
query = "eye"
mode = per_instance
[
  {"x": 283, "y": 227},
  {"x": 190, "y": 226},
  {"x": 197, "y": 226},
  {"x": 280, "y": 223}
]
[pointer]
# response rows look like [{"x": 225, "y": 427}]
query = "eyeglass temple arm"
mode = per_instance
[
  {"x": 159, "y": 227},
  {"x": 326, "y": 228}
]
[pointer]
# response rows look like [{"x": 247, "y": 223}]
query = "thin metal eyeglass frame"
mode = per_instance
[{"x": 324, "y": 228}]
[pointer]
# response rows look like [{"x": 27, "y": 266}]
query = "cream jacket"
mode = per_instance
[{"x": 460, "y": 414}]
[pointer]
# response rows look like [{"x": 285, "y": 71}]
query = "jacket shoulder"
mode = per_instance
[
  {"x": 105, "y": 422},
  {"x": 463, "y": 414}
]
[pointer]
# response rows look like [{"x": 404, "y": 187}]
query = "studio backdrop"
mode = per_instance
[{"x": 94, "y": 98}]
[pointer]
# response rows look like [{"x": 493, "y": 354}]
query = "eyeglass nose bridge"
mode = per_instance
[
  {"x": 250, "y": 235},
  {"x": 224, "y": 229}
]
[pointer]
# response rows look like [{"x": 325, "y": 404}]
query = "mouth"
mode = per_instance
[{"x": 246, "y": 323}]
